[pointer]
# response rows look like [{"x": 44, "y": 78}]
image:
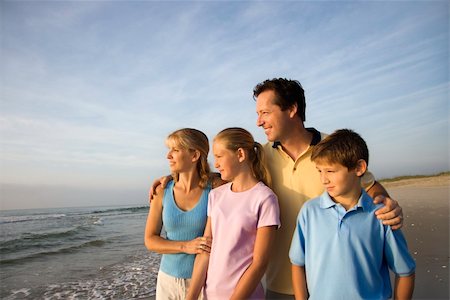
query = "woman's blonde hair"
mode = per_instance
[
  {"x": 193, "y": 140},
  {"x": 235, "y": 138}
]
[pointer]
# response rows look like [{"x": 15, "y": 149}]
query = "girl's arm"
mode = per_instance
[
  {"x": 299, "y": 282},
  {"x": 200, "y": 268},
  {"x": 248, "y": 282},
  {"x": 404, "y": 287},
  {"x": 154, "y": 242}
]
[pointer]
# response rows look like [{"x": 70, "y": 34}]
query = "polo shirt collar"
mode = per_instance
[
  {"x": 364, "y": 202},
  {"x": 315, "y": 139}
]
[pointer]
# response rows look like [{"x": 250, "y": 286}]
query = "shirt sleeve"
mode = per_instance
[
  {"x": 269, "y": 212},
  {"x": 297, "y": 250},
  {"x": 210, "y": 200},
  {"x": 396, "y": 252}
]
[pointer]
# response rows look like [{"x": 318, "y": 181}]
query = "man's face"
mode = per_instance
[{"x": 270, "y": 116}]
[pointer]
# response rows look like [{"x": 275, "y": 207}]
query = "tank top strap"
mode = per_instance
[{"x": 168, "y": 194}]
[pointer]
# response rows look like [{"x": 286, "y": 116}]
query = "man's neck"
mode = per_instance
[{"x": 297, "y": 142}]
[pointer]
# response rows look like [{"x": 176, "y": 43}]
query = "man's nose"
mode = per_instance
[{"x": 259, "y": 121}]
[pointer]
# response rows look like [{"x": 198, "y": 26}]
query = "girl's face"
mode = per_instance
[
  {"x": 225, "y": 161},
  {"x": 180, "y": 159}
]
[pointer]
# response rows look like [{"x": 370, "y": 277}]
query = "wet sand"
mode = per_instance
[{"x": 425, "y": 204}]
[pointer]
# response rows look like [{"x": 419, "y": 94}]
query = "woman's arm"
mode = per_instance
[
  {"x": 391, "y": 213},
  {"x": 154, "y": 242},
  {"x": 248, "y": 282},
  {"x": 200, "y": 268},
  {"x": 299, "y": 282}
]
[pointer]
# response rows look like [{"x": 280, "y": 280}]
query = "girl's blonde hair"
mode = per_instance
[
  {"x": 235, "y": 138},
  {"x": 193, "y": 140}
]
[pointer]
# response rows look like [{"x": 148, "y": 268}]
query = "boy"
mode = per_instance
[{"x": 340, "y": 250}]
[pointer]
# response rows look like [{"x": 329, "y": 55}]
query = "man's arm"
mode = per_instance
[
  {"x": 161, "y": 181},
  {"x": 391, "y": 213}
]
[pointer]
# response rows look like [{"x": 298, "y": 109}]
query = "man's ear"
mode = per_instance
[
  {"x": 361, "y": 167},
  {"x": 293, "y": 110},
  {"x": 241, "y": 155}
]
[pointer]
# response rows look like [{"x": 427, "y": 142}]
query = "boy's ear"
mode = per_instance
[{"x": 361, "y": 167}]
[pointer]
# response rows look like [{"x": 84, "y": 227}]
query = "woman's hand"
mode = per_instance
[{"x": 198, "y": 245}]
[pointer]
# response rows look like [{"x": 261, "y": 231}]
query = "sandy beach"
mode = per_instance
[{"x": 425, "y": 203}]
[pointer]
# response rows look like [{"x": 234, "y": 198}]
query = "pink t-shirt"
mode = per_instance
[{"x": 235, "y": 218}]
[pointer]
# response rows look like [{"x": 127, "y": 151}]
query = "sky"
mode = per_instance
[{"x": 91, "y": 89}]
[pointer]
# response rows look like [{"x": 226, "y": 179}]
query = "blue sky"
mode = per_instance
[{"x": 90, "y": 89}]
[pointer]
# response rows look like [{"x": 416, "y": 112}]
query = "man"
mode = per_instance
[{"x": 280, "y": 105}]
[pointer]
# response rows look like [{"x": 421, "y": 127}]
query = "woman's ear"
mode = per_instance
[
  {"x": 196, "y": 156},
  {"x": 361, "y": 167}
]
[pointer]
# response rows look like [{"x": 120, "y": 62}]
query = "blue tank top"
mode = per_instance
[{"x": 182, "y": 226}]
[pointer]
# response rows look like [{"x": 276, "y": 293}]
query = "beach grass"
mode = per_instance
[{"x": 398, "y": 178}]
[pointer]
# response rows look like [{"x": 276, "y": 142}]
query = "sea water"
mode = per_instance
[{"x": 76, "y": 253}]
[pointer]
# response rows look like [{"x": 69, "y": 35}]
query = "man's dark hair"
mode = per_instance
[{"x": 287, "y": 93}]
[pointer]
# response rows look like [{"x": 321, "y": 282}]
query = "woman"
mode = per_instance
[
  {"x": 243, "y": 216},
  {"x": 181, "y": 208}
]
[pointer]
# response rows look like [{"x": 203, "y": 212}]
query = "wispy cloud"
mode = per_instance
[{"x": 90, "y": 90}]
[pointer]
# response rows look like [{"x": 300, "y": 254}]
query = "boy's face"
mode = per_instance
[{"x": 339, "y": 182}]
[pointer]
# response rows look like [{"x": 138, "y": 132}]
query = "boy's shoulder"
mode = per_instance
[{"x": 312, "y": 204}]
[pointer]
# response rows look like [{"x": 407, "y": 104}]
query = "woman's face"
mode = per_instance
[
  {"x": 180, "y": 159},
  {"x": 225, "y": 161}
]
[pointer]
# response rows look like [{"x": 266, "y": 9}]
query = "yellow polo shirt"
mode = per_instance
[{"x": 294, "y": 182}]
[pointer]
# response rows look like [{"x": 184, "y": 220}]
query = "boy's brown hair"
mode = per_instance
[{"x": 344, "y": 146}]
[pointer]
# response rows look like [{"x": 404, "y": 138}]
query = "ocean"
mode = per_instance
[{"x": 76, "y": 253}]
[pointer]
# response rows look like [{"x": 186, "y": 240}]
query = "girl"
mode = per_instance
[
  {"x": 243, "y": 216},
  {"x": 181, "y": 208}
]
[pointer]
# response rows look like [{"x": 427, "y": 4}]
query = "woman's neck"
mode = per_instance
[{"x": 188, "y": 181}]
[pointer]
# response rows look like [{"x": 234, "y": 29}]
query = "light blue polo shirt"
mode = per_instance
[{"x": 347, "y": 254}]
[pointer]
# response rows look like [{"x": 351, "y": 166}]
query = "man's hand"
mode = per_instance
[
  {"x": 391, "y": 213},
  {"x": 161, "y": 181}
]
